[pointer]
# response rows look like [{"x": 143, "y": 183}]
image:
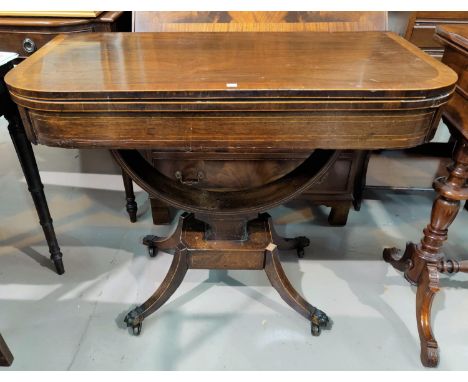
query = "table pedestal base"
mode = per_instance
[
  {"x": 194, "y": 249},
  {"x": 422, "y": 263}
]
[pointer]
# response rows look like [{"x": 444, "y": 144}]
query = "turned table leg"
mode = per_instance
[
  {"x": 131, "y": 205},
  {"x": 421, "y": 263},
  {"x": 31, "y": 173}
]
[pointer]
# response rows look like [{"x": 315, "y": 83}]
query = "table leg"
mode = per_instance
[
  {"x": 131, "y": 205},
  {"x": 280, "y": 282},
  {"x": 171, "y": 282},
  {"x": 285, "y": 243},
  {"x": 31, "y": 173},
  {"x": 6, "y": 358},
  {"x": 421, "y": 263}
]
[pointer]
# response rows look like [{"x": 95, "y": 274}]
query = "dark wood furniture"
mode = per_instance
[
  {"x": 6, "y": 358},
  {"x": 291, "y": 96},
  {"x": 24, "y": 36},
  {"x": 422, "y": 262},
  {"x": 422, "y": 25},
  {"x": 6, "y": 105},
  {"x": 342, "y": 186}
]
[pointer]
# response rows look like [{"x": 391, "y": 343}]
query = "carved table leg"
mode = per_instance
[
  {"x": 31, "y": 173},
  {"x": 154, "y": 243},
  {"x": 171, "y": 282},
  {"x": 422, "y": 262},
  {"x": 280, "y": 282},
  {"x": 6, "y": 358},
  {"x": 298, "y": 243},
  {"x": 131, "y": 205}
]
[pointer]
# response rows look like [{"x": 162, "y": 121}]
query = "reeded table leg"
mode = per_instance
[
  {"x": 132, "y": 207},
  {"x": 31, "y": 173},
  {"x": 421, "y": 263}
]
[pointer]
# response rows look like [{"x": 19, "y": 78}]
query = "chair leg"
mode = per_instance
[{"x": 131, "y": 205}]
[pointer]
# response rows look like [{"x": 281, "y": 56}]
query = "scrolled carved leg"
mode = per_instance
[
  {"x": 278, "y": 279},
  {"x": 428, "y": 286},
  {"x": 284, "y": 243},
  {"x": 421, "y": 263},
  {"x": 171, "y": 282},
  {"x": 131, "y": 206}
]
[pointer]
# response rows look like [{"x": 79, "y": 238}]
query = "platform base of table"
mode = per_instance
[{"x": 194, "y": 250}]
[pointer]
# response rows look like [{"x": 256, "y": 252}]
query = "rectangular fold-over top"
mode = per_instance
[{"x": 121, "y": 66}]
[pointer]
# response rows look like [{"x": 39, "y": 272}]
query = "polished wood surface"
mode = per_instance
[
  {"x": 282, "y": 21},
  {"x": 341, "y": 187},
  {"x": 422, "y": 262},
  {"x": 455, "y": 39},
  {"x": 79, "y": 14},
  {"x": 313, "y": 80},
  {"x": 25, "y": 35},
  {"x": 175, "y": 65}
]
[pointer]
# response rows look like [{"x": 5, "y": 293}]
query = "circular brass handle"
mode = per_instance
[{"x": 29, "y": 45}]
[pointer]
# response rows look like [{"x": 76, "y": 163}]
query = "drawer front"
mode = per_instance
[
  {"x": 26, "y": 43},
  {"x": 225, "y": 174}
]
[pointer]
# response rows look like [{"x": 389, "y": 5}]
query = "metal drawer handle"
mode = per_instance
[
  {"x": 189, "y": 182},
  {"x": 29, "y": 45}
]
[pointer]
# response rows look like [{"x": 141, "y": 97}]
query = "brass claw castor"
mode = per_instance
[
  {"x": 134, "y": 320},
  {"x": 149, "y": 241},
  {"x": 318, "y": 321}
]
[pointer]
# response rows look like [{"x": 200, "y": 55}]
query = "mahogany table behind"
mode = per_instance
[{"x": 294, "y": 96}]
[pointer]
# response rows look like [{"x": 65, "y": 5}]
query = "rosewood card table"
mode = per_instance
[{"x": 295, "y": 97}]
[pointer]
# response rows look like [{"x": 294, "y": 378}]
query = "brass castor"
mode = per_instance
[
  {"x": 152, "y": 251},
  {"x": 134, "y": 320},
  {"x": 149, "y": 241},
  {"x": 318, "y": 321}
]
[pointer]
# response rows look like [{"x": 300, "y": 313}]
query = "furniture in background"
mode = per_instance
[
  {"x": 24, "y": 36},
  {"x": 421, "y": 263},
  {"x": 422, "y": 25},
  {"x": 6, "y": 59},
  {"x": 343, "y": 184},
  {"x": 294, "y": 97}
]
